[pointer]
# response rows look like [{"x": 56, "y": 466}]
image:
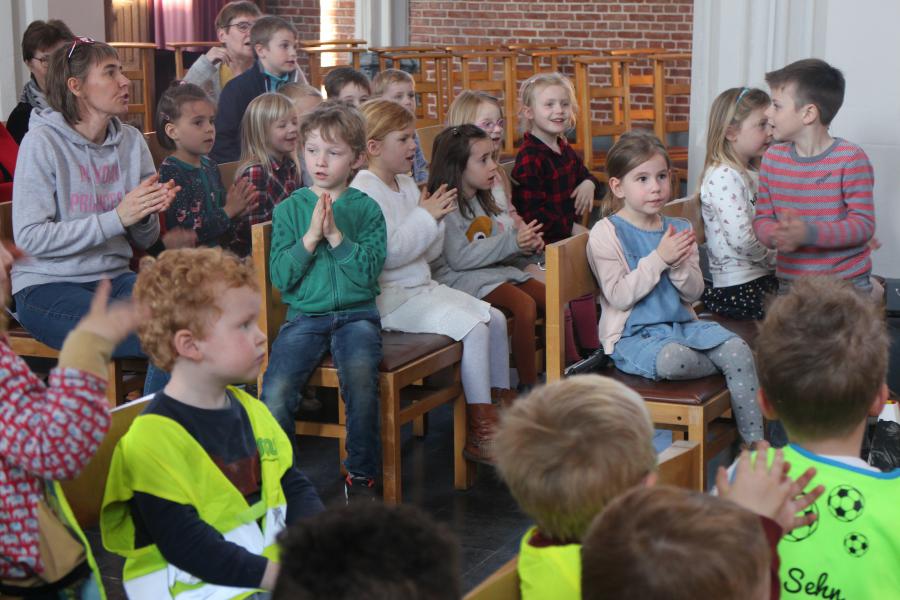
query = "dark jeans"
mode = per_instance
[
  {"x": 354, "y": 340},
  {"x": 51, "y": 310}
]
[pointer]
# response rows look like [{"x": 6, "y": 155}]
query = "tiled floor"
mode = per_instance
[{"x": 485, "y": 517}]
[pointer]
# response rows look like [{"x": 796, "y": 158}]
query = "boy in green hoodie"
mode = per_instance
[{"x": 328, "y": 248}]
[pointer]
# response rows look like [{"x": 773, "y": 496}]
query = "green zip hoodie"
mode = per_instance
[{"x": 328, "y": 279}]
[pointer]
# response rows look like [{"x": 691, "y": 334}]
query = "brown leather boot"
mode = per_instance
[
  {"x": 503, "y": 397},
  {"x": 482, "y": 420}
]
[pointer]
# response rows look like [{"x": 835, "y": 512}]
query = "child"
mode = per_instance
[
  {"x": 328, "y": 247},
  {"x": 649, "y": 273},
  {"x": 406, "y": 554},
  {"x": 185, "y": 123},
  {"x": 223, "y": 63},
  {"x": 347, "y": 85},
  {"x": 741, "y": 266},
  {"x": 666, "y": 543},
  {"x": 479, "y": 257},
  {"x": 553, "y": 184},
  {"x": 274, "y": 42},
  {"x": 410, "y": 300},
  {"x": 305, "y": 98},
  {"x": 565, "y": 451},
  {"x": 49, "y": 433},
  {"x": 268, "y": 159},
  {"x": 399, "y": 86},
  {"x": 815, "y": 191},
  {"x": 204, "y": 480},
  {"x": 485, "y": 111},
  {"x": 822, "y": 355}
]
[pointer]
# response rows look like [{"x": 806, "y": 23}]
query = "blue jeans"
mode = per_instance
[
  {"x": 354, "y": 339},
  {"x": 51, "y": 310}
]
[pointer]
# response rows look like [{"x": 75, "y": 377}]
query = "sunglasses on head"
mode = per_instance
[{"x": 79, "y": 41}]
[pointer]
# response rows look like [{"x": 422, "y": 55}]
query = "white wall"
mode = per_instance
[
  {"x": 737, "y": 41},
  {"x": 84, "y": 17}
]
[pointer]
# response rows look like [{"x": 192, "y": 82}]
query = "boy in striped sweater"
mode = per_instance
[{"x": 815, "y": 201}]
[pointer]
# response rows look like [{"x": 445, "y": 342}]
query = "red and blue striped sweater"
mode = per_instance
[{"x": 832, "y": 192}]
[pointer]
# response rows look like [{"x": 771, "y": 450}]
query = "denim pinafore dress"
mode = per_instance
[{"x": 660, "y": 317}]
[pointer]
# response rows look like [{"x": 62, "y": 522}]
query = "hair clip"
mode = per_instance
[
  {"x": 454, "y": 131},
  {"x": 741, "y": 95}
]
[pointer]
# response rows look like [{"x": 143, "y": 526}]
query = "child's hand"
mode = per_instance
[
  {"x": 111, "y": 321},
  {"x": 147, "y": 198},
  {"x": 584, "y": 196},
  {"x": 675, "y": 247},
  {"x": 315, "y": 232},
  {"x": 874, "y": 244},
  {"x": 529, "y": 237},
  {"x": 329, "y": 228},
  {"x": 767, "y": 490},
  {"x": 242, "y": 198},
  {"x": 180, "y": 237},
  {"x": 790, "y": 232},
  {"x": 439, "y": 204}
]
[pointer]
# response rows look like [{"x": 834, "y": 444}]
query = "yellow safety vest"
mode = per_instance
[
  {"x": 159, "y": 457},
  {"x": 550, "y": 572}
]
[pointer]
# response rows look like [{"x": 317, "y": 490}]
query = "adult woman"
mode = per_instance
[
  {"x": 84, "y": 187},
  {"x": 38, "y": 43}
]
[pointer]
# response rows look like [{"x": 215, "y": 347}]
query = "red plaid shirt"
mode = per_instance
[
  {"x": 545, "y": 182},
  {"x": 284, "y": 179}
]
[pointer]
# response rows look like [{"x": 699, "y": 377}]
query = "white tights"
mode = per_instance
[{"x": 485, "y": 359}]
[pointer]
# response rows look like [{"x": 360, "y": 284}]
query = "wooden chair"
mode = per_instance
[
  {"x": 679, "y": 465},
  {"x": 138, "y": 59},
  {"x": 426, "y": 139},
  {"x": 352, "y": 42},
  {"x": 317, "y": 72},
  {"x": 488, "y": 70},
  {"x": 85, "y": 493},
  {"x": 383, "y": 52},
  {"x": 663, "y": 91},
  {"x": 118, "y": 386},
  {"x": 696, "y": 408},
  {"x": 617, "y": 105},
  {"x": 180, "y": 47},
  {"x": 158, "y": 153},
  {"x": 640, "y": 76},
  {"x": 227, "y": 171},
  {"x": 431, "y": 81},
  {"x": 406, "y": 391}
]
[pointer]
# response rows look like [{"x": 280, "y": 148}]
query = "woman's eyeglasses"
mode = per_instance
[
  {"x": 242, "y": 26},
  {"x": 79, "y": 41}
]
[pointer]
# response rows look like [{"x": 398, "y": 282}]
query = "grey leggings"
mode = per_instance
[{"x": 734, "y": 360}]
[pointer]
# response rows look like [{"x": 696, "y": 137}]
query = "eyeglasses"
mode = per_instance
[
  {"x": 79, "y": 41},
  {"x": 489, "y": 125},
  {"x": 243, "y": 26},
  {"x": 44, "y": 60}
]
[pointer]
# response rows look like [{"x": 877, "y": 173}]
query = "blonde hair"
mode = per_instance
[
  {"x": 536, "y": 83},
  {"x": 570, "y": 447},
  {"x": 180, "y": 289},
  {"x": 264, "y": 110},
  {"x": 297, "y": 91},
  {"x": 383, "y": 116},
  {"x": 633, "y": 149},
  {"x": 337, "y": 121},
  {"x": 730, "y": 109},
  {"x": 385, "y": 78},
  {"x": 666, "y": 542},
  {"x": 464, "y": 109}
]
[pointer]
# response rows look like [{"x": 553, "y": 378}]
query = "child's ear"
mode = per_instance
[
  {"x": 765, "y": 406},
  {"x": 185, "y": 345},
  {"x": 731, "y": 133},
  {"x": 527, "y": 113},
  {"x": 258, "y": 48},
  {"x": 360, "y": 161},
  {"x": 809, "y": 114},
  {"x": 651, "y": 479},
  {"x": 880, "y": 400},
  {"x": 170, "y": 130},
  {"x": 373, "y": 147},
  {"x": 615, "y": 186}
]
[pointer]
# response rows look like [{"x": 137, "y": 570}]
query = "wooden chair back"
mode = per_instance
[
  {"x": 85, "y": 492},
  {"x": 138, "y": 60},
  {"x": 317, "y": 72},
  {"x": 382, "y": 52},
  {"x": 641, "y": 76},
  {"x": 6, "y": 225},
  {"x": 615, "y": 102},
  {"x": 426, "y": 139},
  {"x": 228, "y": 171},
  {"x": 273, "y": 311},
  {"x": 352, "y": 42},
  {"x": 681, "y": 465},
  {"x": 156, "y": 150},
  {"x": 180, "y": 47},
  {"x": 502, "y": 584},
  {"x": 664, "y": 90}
]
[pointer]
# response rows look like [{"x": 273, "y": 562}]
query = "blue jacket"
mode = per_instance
[{"x": 236, "y": 96}]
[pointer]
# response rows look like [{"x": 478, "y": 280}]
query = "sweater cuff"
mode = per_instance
[
  {"x": 812, "y": 234},
  {"x": 342, "y": 251},
  {"x": 657, "y": 261},
  {"x": 300, "y": 254},
  {"x": 111, "y": 224},
  {"x": 86, "y": 351}
]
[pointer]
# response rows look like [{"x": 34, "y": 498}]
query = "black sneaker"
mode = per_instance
[{"x": 360, "y": 489}]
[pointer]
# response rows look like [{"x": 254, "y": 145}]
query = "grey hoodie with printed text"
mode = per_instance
[{"x": 65, "y": 192}]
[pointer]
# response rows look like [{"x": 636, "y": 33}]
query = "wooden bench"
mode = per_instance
[
  {"x": 697, "y": 408},
  {"x": 679, "y": 465},
  {"x": 413, "y": 380}
]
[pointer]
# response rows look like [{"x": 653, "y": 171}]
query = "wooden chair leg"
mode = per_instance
[
  {"x": 420, "y": 425},
  {"x": 697, "y": 430},
  {"x": 342, "y": 441},
  {"x": 114, "y": 392},
  {"x": 390, "y": 441}
]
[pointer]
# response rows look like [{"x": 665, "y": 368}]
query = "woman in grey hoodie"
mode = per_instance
[{"x": 85, "y": 186}]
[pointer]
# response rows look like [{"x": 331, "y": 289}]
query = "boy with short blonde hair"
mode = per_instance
[
  {"x": 400, "y": 87},
  {"x": 565, "y": 451},
  {"x": 328, "y": 247},
  {"x": 204, "y": 480},
  {"x": 821, "y": 355}
]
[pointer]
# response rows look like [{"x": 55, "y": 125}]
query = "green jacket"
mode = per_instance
[{"x": 329, "y": 279}]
